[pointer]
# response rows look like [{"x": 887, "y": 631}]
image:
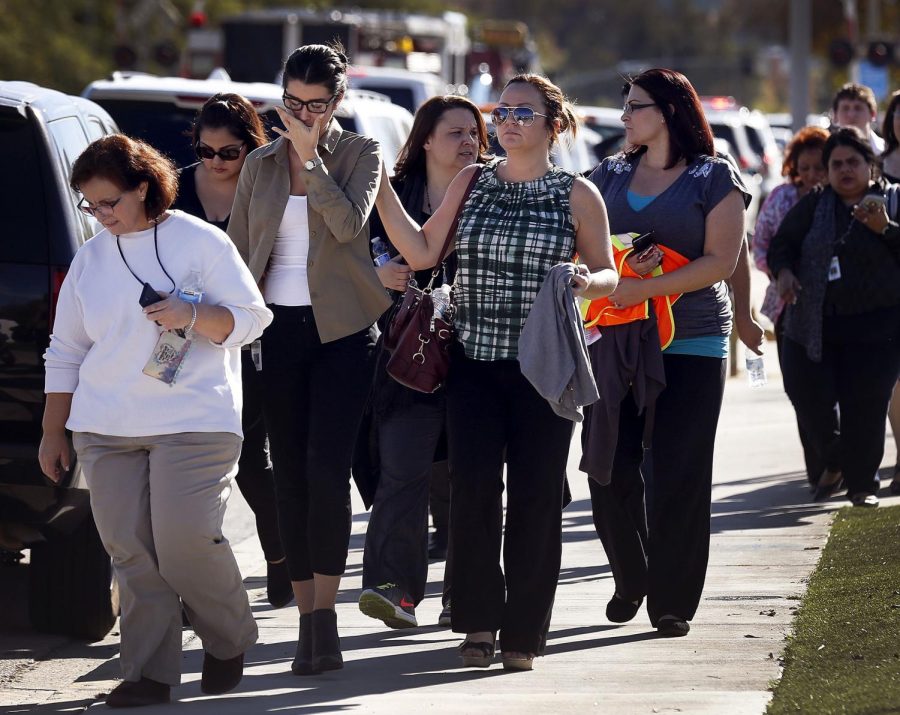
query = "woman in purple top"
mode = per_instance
[{"x": 669, "y": 181}]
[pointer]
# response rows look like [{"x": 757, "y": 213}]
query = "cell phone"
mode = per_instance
[
  {"x": 148, "y": 296},
  {"x": 643, "y": 242},
  {"x": 873, "y": 202}
]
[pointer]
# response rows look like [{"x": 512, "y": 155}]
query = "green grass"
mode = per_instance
[{"x": 844, "y": 656}]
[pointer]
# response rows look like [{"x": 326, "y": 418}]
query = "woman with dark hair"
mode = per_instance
[
  {"x": 153, "y": 400},
  {"x": 835, "y": 257},
  {"x": 654, "y": 522},
  {"x": 890, "y": 157},
  {"x": 522, "y": 217},
  {"x": 225, "y": 131},
  {"x": 448, "y": 134},
  {"x": 300, "y": 220}
]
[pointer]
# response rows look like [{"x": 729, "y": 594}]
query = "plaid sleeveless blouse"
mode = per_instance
[{"x": 510, "y": 235}]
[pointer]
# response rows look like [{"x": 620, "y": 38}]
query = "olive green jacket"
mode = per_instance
[{"x": 345, "y": 291}]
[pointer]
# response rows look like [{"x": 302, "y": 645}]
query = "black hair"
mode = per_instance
[{"x": 318, "y": 64}]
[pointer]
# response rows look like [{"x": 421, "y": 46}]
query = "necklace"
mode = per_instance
[{"x": 428, "y": 201}]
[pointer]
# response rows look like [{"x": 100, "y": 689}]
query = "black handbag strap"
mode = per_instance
[{"x": 453, "y": 226}]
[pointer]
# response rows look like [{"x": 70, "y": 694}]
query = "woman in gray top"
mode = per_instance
[{"x": 654, "y": 522}]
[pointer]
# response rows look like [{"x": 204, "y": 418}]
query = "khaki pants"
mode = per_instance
[{"x": 158, "y": 503}]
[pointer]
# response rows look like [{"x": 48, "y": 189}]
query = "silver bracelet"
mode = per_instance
[{"x": 190, "y": 326}]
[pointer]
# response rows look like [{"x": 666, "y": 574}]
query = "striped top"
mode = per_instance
[{"x": 510, "y": 235}]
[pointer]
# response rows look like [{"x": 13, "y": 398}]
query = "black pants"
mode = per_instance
[
  {"x": 254, "y": 477},
  {"x": 859, "y": 377},
  {"x": 397, "y": 536},
  {"x": 825, "y": 454},
  {"x": 493, "y": 410},
  {"x": 653, "y": 517},
  {"x": 313, "y": 398}
]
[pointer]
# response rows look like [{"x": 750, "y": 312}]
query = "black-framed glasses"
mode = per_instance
[
  {"x": 103, "y": 208},
  {"x": 523, "y": 116},
  {"x": 226, "y": 153},
  {"x": 632, "y": 107},
  {"x": 316, "y": 106}
]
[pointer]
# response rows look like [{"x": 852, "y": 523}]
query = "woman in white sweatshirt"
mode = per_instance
[{"x": 151, "y": 392}]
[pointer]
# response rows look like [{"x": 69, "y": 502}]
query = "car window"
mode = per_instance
[
  {"x": 164, "y": 126},
  {"x": 95, "y": 129},
  {"x": 756, "y": 140},
  {"x": 70, "y": 142},
  {"x": 402, "y": 96},
  {"x": 725, "y": 132},
  {"x": 21, "y": 192}
]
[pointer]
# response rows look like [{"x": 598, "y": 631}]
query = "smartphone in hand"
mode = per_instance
[
  {"x": 642, "y": 242},
  {"x": 148, "y": 296}
]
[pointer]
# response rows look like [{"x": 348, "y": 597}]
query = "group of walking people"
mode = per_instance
[{"x": 167, "y": 327}]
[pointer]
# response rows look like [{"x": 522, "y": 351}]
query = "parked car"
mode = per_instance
[
  {"x": 42, "y": 132},
  {"x": 407, "y": 88},
  {"x": 160, "y": 110}
]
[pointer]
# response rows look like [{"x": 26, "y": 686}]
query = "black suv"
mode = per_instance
[{"x": 42, "y": 132}]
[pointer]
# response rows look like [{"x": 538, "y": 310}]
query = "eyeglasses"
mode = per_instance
[
  {"x": 226, "y": 153},
  {"x": 632, "y": 107},
  {"x": 523, "y": 116},
  {"x": 102, "y": 208},
  {"x": 316, "y": 106}
]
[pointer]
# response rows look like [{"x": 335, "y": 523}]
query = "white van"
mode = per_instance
[{"x": 408, "y": 89}]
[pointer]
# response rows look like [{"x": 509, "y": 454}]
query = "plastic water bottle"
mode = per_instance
[
  {"x": 756, "y": 368},
  {"x": 380, "y": 253},
  {"x": 192, "y": 289},
  {"x": 440, "y": 297}
]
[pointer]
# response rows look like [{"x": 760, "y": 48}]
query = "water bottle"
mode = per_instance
[
  {"x": 380, "y": 253},
  {"x": 440, "y": 297},
  {"x": 192, "y": 289},
  {"x": 756, "y": 368}
]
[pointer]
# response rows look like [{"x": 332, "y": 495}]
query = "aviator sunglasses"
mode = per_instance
[
  {"x": 228, "y": 153},
  {"x": 523, "y": 116}
]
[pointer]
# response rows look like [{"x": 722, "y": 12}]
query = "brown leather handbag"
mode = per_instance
[{"x": 419, "y": 341}]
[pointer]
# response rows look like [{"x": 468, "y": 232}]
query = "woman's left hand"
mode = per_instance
[
  {"x": 304, "y": 139},
  {"x": 630, "y": 291},
  {"x": 872, "y": 215},
  {"x": 172, "y": 313},
  {"x": 581, "y": 280}
]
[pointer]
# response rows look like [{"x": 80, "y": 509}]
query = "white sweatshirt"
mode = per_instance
[{"x": 101, "y": 339}]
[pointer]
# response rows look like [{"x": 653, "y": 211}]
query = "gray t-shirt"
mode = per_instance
[{"x": 677, "y": 217}]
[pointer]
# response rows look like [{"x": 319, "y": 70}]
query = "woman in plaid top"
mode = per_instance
[{"x": 523, "y": 216}]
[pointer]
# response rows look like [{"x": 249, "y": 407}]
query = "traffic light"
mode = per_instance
[
  {"x": 880, "y": 53},
  {"x": 841, "y": 52}
]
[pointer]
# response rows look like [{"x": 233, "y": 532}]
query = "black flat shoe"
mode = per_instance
[
  {"x": 131, "y": 694},
  {"x": 326, "y": 645},
  {"x": 303, "y": 659},
  {"x": 619, "y": 610},
  {"x": 220, "y": 676},
  {"x": 278, "y": 584},
  {"x": 829, "y": 484},
  {"x": 672, "y": 627}
]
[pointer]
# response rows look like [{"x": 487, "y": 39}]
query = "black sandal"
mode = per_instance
[{"x": 482, "y": 660}]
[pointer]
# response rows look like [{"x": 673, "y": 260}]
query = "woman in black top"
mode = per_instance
[
  {"x": 226, "y": 129},
  {"x": 448, "y": 134},
  {"x": 835, "y": 258}
]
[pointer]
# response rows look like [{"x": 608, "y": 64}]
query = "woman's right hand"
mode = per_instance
[
  {"x": 644, "y": 263},
  {"x": 788, "y": 286},
  {"x": 54, "y": 455},
  {"x": 394, "y": 274}
]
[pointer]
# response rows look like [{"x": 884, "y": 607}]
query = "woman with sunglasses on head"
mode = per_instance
[
  {"x": 225, "y": 131},
  {"x": 448, "y": 134},
  {"x": 300, "y": 220},
  {"x": 522, "y": 217},
  {"x": 149, "y": 384},
  {"x": 654, "y": 522}
]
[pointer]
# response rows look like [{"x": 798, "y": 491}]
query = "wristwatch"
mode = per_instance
[{"x": 312, "y": 163}]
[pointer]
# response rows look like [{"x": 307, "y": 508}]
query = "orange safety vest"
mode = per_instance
[{"x": 601, "y": 310}]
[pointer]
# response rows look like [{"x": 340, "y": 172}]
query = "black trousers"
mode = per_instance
[
  {"x": 397, "y": 536},
  {"x": 859, "y": 377},
  {"x": 254, "y": 477},
  {"x": 313, "y": 398},
  {"x": 653, "y": 517},
  {"x": 492, "y": 411}
]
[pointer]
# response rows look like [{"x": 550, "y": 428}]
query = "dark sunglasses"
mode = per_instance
[
  {"x": 523, "y": 116},
  {"x": 228, "y": 153},
  {"x": 316, "y": 106}
]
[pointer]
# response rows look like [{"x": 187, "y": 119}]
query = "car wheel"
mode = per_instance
[{"x": 71, "y": 588}]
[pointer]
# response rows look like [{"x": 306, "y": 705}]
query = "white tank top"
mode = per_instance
[{"x": 286, "y": 279}]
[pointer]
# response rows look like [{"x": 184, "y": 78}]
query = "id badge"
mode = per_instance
[
  {"x": 834, "y": 270},
  {"x": 168, "y": 357},
  {"x": 256, "y": 354}
]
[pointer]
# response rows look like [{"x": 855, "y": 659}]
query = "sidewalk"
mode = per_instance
[{"x": 766, "y": 540}]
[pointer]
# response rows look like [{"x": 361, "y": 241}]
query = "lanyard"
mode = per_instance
[{"x": 156, "y": 248}]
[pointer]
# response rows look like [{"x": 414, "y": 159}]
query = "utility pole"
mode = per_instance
[{"x": 801, "y": 43}]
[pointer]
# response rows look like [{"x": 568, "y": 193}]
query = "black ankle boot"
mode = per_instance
[
  {"x": 303, "y": 659},
  {"x": 326, "y": 646}
]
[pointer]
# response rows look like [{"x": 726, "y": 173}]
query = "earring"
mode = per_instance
[{"x": 142, "y": 198}]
